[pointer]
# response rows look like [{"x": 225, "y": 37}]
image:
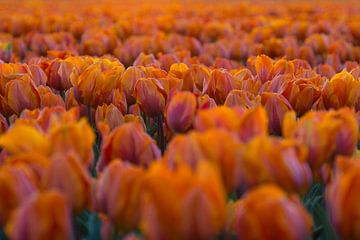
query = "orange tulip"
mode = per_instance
[
  {"x": 181, "y": 111},
  {"x": 220, "y": 84},
  {"x": 20, "y": 94},
  {"x": 73, "y": 137},
  {"x": 128, "y": 80},
  {"x": 281, "y": 161},
  {"x": 95, "y": 85},
  {"x": 326, "y": 134},
  {"x": 196, "y": 78},
  {"x": 48, "y": 98},
  {"x": 67, "y": 175},
  {"x": 58, "y": 73},
  {"x": 341, "y": 90},
  {"x": 42, "y": 216},
  {"x": 139, "y": 149},
  {"x": 118, "y": 194},
  {"x": 151, "y": 96},
  {"x": 276, "y": 106},
  {"x": 17, "y": 183},
  {"x": 109, "y": 115},
  {"x": 276, "y": 215},
  {"x": 241, "y": 98},
  {"x": 193, "y": 201},
  {"x": 342, "y": 195}
]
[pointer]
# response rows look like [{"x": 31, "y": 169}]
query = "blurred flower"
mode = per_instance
[{"x": 181, "y": 111}]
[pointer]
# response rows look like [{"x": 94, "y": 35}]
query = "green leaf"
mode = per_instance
[
  {"x": 2, "y": 234},
  {"x": 94, "y": 226}
]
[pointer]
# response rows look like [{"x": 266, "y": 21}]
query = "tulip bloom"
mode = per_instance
[
  {"x": 342, "y": 195},
  {"x": 281, "y": 161},
  {"x": 20, "y": 94},
  {"x": 67, "y": 174},
  {"x": 220, "y": 84},
  {"x": 96, "y": 84},
  {"x": 196, "y": 78},
  {"x": 241, "y": 98},
  {"x": 48, "y": 98},
  {"x": 73, "y": 137},
  {"x": 181, "y": 111},
  {"x": 17, "y": 183},
  {"x": 139, "y": 149},
  {"x": 118, "y": 194},
  {"x": 341, "y": 90},
  {"x": 128, "y": 80},
  {"x": 109, "y": 115},
  {"x": 58, "y": 73},
  {"x": 43, "y": 216},
  {"x": 276, "y": 106},
  {"x": 21, "y": 138},
  {"x": 276, "y": 215},
  {"x": 151, "y": 96},
  {"x": 193, "y": 201}
]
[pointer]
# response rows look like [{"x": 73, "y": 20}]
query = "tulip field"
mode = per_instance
[{"x": 186, "y": 120}]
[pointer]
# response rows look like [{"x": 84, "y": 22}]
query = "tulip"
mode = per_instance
[
  {"x": 151, "y": 96},
  {"x": 110, "y": 115},
  {"x": 118, "y": 194},
  {"x": 73, "y": 137},
  {"x": 128, "y": 80},
  {"x": 194, "y": 147},
  {"x": 181, "y": 111},
  {"x": 241, "y": 98},
  {"x": 341, "y": 198},
  {"x": 146, "y": 60},
  {"x": 276, "y": 215},
  {"x": 67, "y": 175},
  {"x": 58, "y": 73},
  {"x": 193, "y": 201},
  {"x": 48, "y": 98},
  {"x": 17, "y": 183},
  {"x": 283, "y": 162},
  {"x": 43, "y": 216},
  {"x": 205, "y": 102},
  {"x": 38, "y": 75},
  {"x": 22, "y": 138},
  {"x": 95, "y": 86},
  {"x": 276, "y": 106},
  {"x": 21, "y": 94},
  {"x": 220, "y": 84},
  {"x": 197, "y": 77},
  {"x": 253, "y": 122},
  {"x": 139, "y": 149},
  {"x": 263, "y": 67},
  {"x": 341, "y": 90}
]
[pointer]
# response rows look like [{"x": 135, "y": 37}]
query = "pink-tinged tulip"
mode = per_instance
[
  {"x": 302, "y": 94},
  {"x": 38, "y": 75},
  {"x": 181, "y": 111},
  {"x": 277, "y": 216},
  {"x": 151, "y": 96},
  {"x": 43, "y": 216},
  {"x": 73, "y": 137},
  {"x": 220, "y": 84},
  {"x": 205, "y": 102},
  {"x": 326, "y": 134},
  {"x": 178, "y": 70},
  {"x": 95, "y": 85},
  {"x": 253, "y": 122},
  {"x": 118, "y": 194},
  {"x": 342, "y": 196},
  {"x": 196, "y": 78},
  {"x": 67, "y": 174},
  {"x": 119, "y": 100},
  {"x": 128, "y": 80},
  {"x": 194, "y": 201},
  {"x": 276, "y": 106},
  {"x": 17, "y": 183},
  {"x": 194, "y": 147},
  {"x": 109, "y": 115},
  {"x": 146, "y": 60},
  {"x": 21, "y": 94},
  {"x": 139, "y": 149},
  {"x": 49, "y": 98},
  {"x": 263, "y": 66},
  {"x": 11, "y": 71},
  {"x": 22, "y": 138},
  {"x": 241, "y": 98},
  {"x": 341, "y": 90},
  {"x": 283, "y": 162},
  {"x": 166, "y": 60},
  {"x": 58, "y": 73}
]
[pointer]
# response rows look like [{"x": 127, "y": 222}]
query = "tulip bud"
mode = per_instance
[
  {"x": 151, "y": 96},
  {"x": 58, "y": 73},
  {"x": 220, "y": 84},
  {"x": 181, "y": 111},
  {"x": 118, "y": 194},
  {"x": 110, "y": 115},
  {"x": 43, "y": 216},
  {"x": 128, "y": 80},
  {"x": 241, "y": 98},
  {"x": 67, "y": 175},
  {"x": 139, "y": 149},
  {"x": 277, "y": 216},
  {"x": 263, "y": 67},
  {"x": 17, "y": 183},
  {"x": 48, "y": 98}
]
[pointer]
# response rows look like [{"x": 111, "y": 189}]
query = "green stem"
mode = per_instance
[{"x": 161, "y": 135}]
